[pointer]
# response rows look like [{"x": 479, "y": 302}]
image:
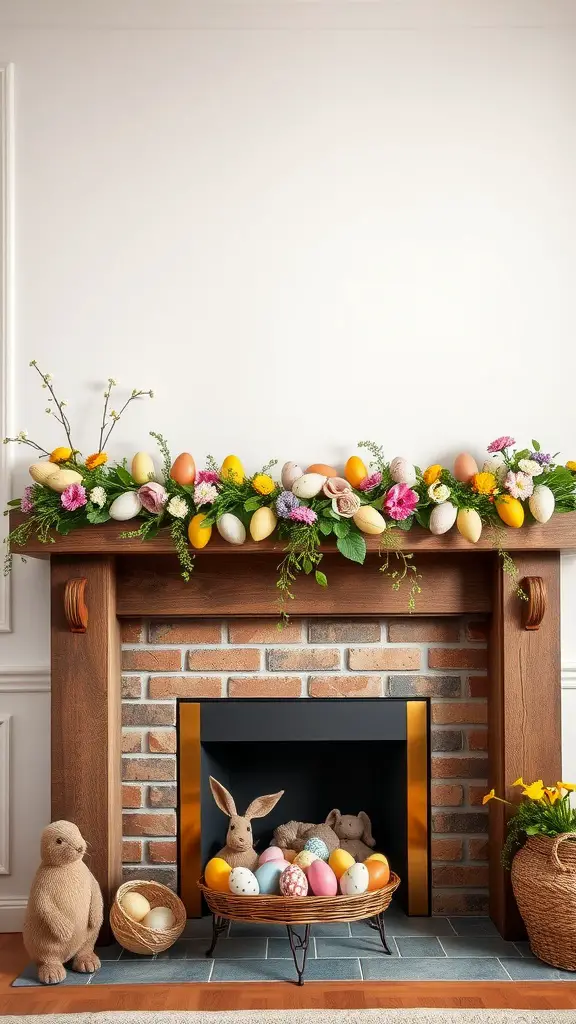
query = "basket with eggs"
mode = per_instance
[{"x": 147, "y": 917}]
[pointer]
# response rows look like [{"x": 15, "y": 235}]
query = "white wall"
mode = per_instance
[{"x": 302, "y": 224}]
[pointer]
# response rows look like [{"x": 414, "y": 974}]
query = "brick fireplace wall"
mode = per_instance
[{"x": 444, "y": 659}]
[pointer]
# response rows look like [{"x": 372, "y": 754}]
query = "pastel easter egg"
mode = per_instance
[
  {"x": 321, "y": 879},
  {"x": 62, "y": 478},
  {"x": 199, "y": 535},
  {"x": 340, "y": 861},
  {"x": 268, "y": 876},
  {"x": 232, "y": 469},
  {"x": 142, "y": 468},
  {"x": 183, "y": 469},
  {"x": 304, "y": 859},
  {"x": 271, "y": 853},
  {"x": 355, "y": 471},
  {"x": 465, "y": 466},
  {"x": 160, "y": 919},
  {"x": 469, "y": 524},
  {"x": 317, "y": 847},
  {"x": 40, "y": 471},
  {"x": 231, "y": 528},
  {"x": 125, "y": 506},
  {"x": 443, "y": 518},
  {"x": 510, "y": 510},
  {"x": 263, "y": 523},
  {"x": 322, "y": 468},
  {"x": 355, "y": 880},
  {"x": 402, "y": 471},
  {"x": 369, "y": 520},
  {"x": 291, "y": 472},
  {"x": 308, "y": 485},
  {"x": 541, "y": 503},
  {"x": 378, "y": 874},
  {"x": 293, "y": 881},
  {"x": 135, "y": 905},
  {"x": 243, "y": 882},
  {"x": 217, "y": 874}
]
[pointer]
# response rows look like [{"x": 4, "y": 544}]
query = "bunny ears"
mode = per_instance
[{"x": 259, "y": 807}]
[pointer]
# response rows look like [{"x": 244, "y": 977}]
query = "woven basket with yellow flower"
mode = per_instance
[{"x": 544, "y": 867}]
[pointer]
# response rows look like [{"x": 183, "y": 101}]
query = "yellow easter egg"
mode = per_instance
[
  {"x": 199, "y": 535},
  {"x": 232, "y": 469},
  {"x": 340, "y": 860},
  {"x": 355, "y": 471},
  {"x": 62, "y": 478},
  {"x": 40, "y": 471},
  {"x": 304, "y": 859},
  {"x": 369, "y": 520},
  {"x": 142, "y": 468},
  {"x": 469, "y": 524},
  {"x": 510, "y": 510},
  {"x": 263, "y": 523},
  {"x": 217, "y": 874},
  {"x": 377, "y": 856}
]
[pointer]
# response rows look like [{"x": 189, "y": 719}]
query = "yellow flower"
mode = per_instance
[
  {"x": 570, "y": 787},
  {"x": 431, "y": 474},
  {"x": 519, "y": 782},
  {"x": 489, "y": 796},
  {"x": 61, "y": 455},
  {"x": 484, "y": 483},
  {"x": 98, "y": 459},
  {"x": 535, "y": 791},
  {"x": 552, "y": 794},
  {"x": 571, "y": 466},
  {"x": 263, "y": 484}
]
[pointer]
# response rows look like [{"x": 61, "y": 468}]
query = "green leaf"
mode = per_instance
[
  {"x": 353, "y": 546},
  {"x": 307, "y": 566},
  {"x": 320, "y": 578},
  {"x": 125, "y": 477},
  {"x": 535, "y": 445},
  {"x": 423, "y": 517},
  {"x": 342, "y": 529},
  {"x": 325, "y": 527},
  {"x": 524, "y": 454},
  {"x": 14, "y": 503},
  {"x": 97, "y": 515},
  {"x": 251, "y": 504},
  {"x": 405, "y": 524}
]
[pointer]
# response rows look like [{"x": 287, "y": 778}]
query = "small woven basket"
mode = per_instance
[
  {"x": 544, "y": 885},
  {"x": 299, "y": 909},
  {"x": 135, "y": 936}
]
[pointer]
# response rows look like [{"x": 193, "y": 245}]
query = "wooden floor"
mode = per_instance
[{"x": 268, "y": 995}]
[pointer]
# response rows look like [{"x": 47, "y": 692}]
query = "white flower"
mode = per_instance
[
  {"x": 177, "y": 507},
  {"x": 439, "y": 492},
  {"x": 98, "y": 496},
  {"x": 530, "y": 466},
  {"x": 23, "y": 435},
  {"x": 205, "y": 494}
]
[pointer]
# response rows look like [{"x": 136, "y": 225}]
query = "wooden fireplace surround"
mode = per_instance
[{"x": 97, "y": 578}]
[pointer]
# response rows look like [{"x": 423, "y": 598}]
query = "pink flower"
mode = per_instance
[
  {"x": 336, "y": 485},
  {"x": 207, "y": 476},
  {"x": 500, "y": 443},
  {"x": 302, "y": 514},
  {"x": 153, "y": 497},
  {"x": 519, "y": 485},
  {"x": 205, "y": 494},
  {"x": 400, "y": 501},
  {"x": 26, "y": 503},
  {"x": 346, "y": 504},
  {"x": 370, "y": 482},
  {"x": 73, "y": 497}
]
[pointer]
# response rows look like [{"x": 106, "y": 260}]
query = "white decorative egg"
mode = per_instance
[
  {"x": 308, "y": 485},
  {"x": 160, "y": 919},
  {"x": 443, "y": 518},
  {"x": 263, "y": 523},
  {"x": 355, "y": 880},
  {"x": 402, "y": 471},
  {"x": 142, "y": 468},
  {"x": 541, "y": 503},
  {"x": 40, "y": 471},
  {"x": 291, "y": 472},
  {"x": 61, "y": 479},
  {"x": 125, "y": 506},
  {"x": 231, "y": 528},
  {"x": 243, "y": 882}
]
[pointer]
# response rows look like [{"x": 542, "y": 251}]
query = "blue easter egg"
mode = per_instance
[
  {"x": 317, "y": 847},
  {"x": 268, "y": 875}
]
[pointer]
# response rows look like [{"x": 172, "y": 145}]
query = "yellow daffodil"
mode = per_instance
[
  {"x": 484, "y": 483},
  {"x": 489, "y": 796},
  {"x": 519, "y": 782},
  {"x": 535, "y": 791},
  {"x": 263, "y": 484},
  {"x": 571, "y": 466},
  {"x": 570, "y": 787},
  {"x": 431, "y": 474},
  {"x": 98, "y": 459},
  {"x": 552, "y": 794},
  {"x": 61, "y": 455}
]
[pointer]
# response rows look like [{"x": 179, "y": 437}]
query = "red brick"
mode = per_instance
[
  {"x": 147, "y": 824},
  {"x": 162, "y": 796},
  {"x": 343, "y": 631},
  {"x": 131, "y": 796},
  {"x": 162, "y": 853},
  {"x": 476, "y": 795},
  {"x": 460, "y": 822},
  {"x": 447, "y": 796},
  {"x": 470, "y": 876},
  {"x": 384, "y": 658},
  {"x": 447, "y": 849},
  {"x": 162, "y": 741},
  {"x": 457, "y": 657},
  {"x": 264, "y": 686},
  {"x": 148, "y": 769},
  {"x": 264, "y": 631},
  {"x": 446, "y": 739},
  {"x": 142, "y": 660},
  {"x": 186, "y": 631},
  {"x": 148, "y": 714},
  {"x": 345, "y": 686},
  {"x": 478, "y": 739},
  {"x": 478, "y": 849},
  {"x": 131, "y": 851},
  {"x": 479, "y": 686},
  {"x": 459, "y": 713},
  {"x": 453, "y": 904},
  {"x": 131, "y": 631},
  {"x": 459, "y": 767},
  {"x": 424, "y": 631},
  {"x": 224, "y": 659},
  {"x": 306, "y": 659},
  {"x": 131, "y": 687},
  {"x": 477, "y": 631},
  {"x": 131, "y": 742},
  {"x": 424, "y": 686},
  {"x": 161, "y": 687}
]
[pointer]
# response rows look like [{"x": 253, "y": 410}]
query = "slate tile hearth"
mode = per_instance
[{"x": 423, "y": 949}]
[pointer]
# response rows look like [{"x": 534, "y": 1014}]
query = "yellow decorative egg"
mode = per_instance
[
  {"x": 62, "y": 478},
  {"x": 142, "y": 468},
  {"x": 199, "y": 535},
  {"x": 61, "y": 455},
  {"x": 469, "y": 524},
  {"x": 135, "y": 905},
  {"x": 263, "y": 523},
  {"x": 217, "y": 874},
  {"x": 304, "y": 859},
  {"x": 377, "y": 856},
  {"x": 340, "y": 860},
  {"x": 40, "y": 471},
  {"x": 355, "y": 471},
  {"x": 369, "y": 520},
  {"x": 232, "y": 469},
  {"x": 510, "y": 510}
]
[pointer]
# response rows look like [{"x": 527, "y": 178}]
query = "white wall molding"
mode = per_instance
[
  {"x": 569, "y": 676},
  {"x": 6, "y": 305},
  {"x": 5, "y": 794},
  {"x": 24, "y": 680},
  {"x": 12, "y": 911}
]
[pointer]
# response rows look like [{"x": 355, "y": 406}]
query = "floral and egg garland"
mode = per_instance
[{"x": 305, "y": 508}]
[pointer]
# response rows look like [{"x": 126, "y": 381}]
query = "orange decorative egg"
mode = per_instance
[
  {"x": 378, "y": 873},
  {"x": 199, "y": 535},
  {"x": 183, "y": 469},
  {"x": 323, "y": 469},
  {"x": 217, "y": 874},
  {"x": 465, "y": 466},
  {"x": 355, "y": 471}
]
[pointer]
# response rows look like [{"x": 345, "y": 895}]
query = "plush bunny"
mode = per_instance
[
  {"x": 354, "y": 832},
  {"x": 239, "y": 852}
]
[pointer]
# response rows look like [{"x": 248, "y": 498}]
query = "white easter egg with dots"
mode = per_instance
[{"x": 243, "y": 882}]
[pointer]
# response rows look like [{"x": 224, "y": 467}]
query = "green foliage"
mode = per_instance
[
  {"x": 538, "y": 818},
  {"x": 353, "y": 546}
]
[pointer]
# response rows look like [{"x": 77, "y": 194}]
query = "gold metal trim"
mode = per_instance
[
  {"x": 190, "y": 808},
  {"x": 417, "y": 810}
]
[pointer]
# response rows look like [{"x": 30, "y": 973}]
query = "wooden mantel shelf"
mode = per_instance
[{"x": 557, "y": 535}]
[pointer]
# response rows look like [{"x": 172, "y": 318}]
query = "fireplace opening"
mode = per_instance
[{"x": 355, "y": 755}]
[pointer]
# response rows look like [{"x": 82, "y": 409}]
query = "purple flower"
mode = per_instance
[
  {"x": 207, "y": 476},
  {"x": 303, "y": 514},
  {"x": 26, "y": 503},
  {"x": 400, "y": 501},
  {"x": 500, "y": 443},
  {"x": 73, "y": 497},
  {"x": 370, "y": 482},
  {"x": 541, "y": 458},
  {"x": 153, "y": 497},
  {"x": 286, "y": 503},
  {"x": 519, "y": 485}
]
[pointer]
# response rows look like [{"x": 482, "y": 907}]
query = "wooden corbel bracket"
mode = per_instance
[
  {"x": 534, "y": 609},
  {"x": 75, "y": 607}
]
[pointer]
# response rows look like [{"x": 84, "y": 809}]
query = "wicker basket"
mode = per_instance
[
  {"x": 136, "y": 937},
  {"x": 299, "y": 909},
  {"x": 544, "y": 885}
]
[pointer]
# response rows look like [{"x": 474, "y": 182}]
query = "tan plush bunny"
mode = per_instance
[
  {"x": 239, "y": 851},
  {"x": 354, "y": 832}
]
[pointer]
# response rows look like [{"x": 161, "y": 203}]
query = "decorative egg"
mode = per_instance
[
  {"x": 377, "y": 856},
  {"x": 231, "y": 528},
  {"x": 263, "y": 523},
  {"x": 268, "y": 876},
  {"x": 322, "y": 468},
  {"x": 465, "y": 466},
  {"x": 40, "y": 471},
  {"x": 217, "y": 874},
  {"x": 135, "y": 905},
  {"x": 183, "y": 469},
  {"x": 61, "y": 479},
  {"x": 304, "y": 859},
  {"x": 542, "y": 503},
  {"x": 243, "y": 882},
  {"x": 272, "y": 853},
  {"x": 199, "y": 535},
  {"x": 469, "y": 524},
  {"x": 443, "y": 518},
  {"x": 369, "y": 520},
  {"x": 355, "y": 880},
  {"x": 340, "y": 861},
  {"x": 355, "y": 471},
  {"x": 142, "y": 468},
  {"x": 289, "y": 855},
  {"x": 232, "y": 469},
  {"x": 317, "y": 847},
  {"x": 402, "y": 471},
  {"x": 321, "y": 879},
  {"x": 160, "y": 919},
  {"x": 308, "y": 485},
  {"x": 293, "y": 881},
  {"x": 510, "y": 510},
  {"x": 291, "y": 472},
  {"x": 378, "y": 874},
  {"x": 125, "y": 506}
]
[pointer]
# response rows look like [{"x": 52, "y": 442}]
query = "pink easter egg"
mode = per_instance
[
  {"x": 321, "y": 879},
  {"x": 272, "y": 853},
  {"x": 293, "y": 881}
]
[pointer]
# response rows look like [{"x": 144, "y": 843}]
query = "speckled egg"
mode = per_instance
[
  {"x": 308, "y": 485},
  {"x": 355, "y": 880},
  {"x": 291, "y": 472},
  {"x": 321, "y": 879},
  {"x": 402, "y": 471},
  {"x": 304, "y": 859},
  {"x": 271, "y": 853},
  {"x": 317, "y": 847},
  {"x": 293, "y": 881},
  {"x": 243, "y": 882},
  {"x": 542, "y": 503},
  {"x": 443, "y": 518},
  {"x": 340, "y": 860}
]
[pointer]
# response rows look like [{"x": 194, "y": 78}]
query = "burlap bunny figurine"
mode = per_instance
[
  {"x": 239, "y": 851},
  {"x": 354, "y": 832}
]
